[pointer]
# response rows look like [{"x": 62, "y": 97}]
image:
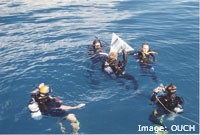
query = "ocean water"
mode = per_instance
[{"x": 46, "y": 41}]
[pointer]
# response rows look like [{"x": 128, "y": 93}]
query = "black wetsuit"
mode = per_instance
[
  {"x": 116, "y": 66},
  {"x": 116, "y": 69},
  {"x": 164, "y": 105},
  {"x": 145, "y": 58},
  {"x": 146, "y": 62},
  {"x": 169, "y": 101},
  {"x": 49, "y": 106}
]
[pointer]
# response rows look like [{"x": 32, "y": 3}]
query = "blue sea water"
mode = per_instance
[{"x": 46, "y": 41}]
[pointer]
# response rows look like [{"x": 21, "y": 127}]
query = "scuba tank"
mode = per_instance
[{"x": 35, "y": 110}]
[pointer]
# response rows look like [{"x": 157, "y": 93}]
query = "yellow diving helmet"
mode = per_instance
[{"x": 45, "y": 90}]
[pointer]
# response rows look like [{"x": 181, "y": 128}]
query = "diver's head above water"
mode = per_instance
[
  {"x": 170, "y": 89},
  {"x": 97, "y": 44},
  {"x": 145, "y": 48},
  {"x": 45, "y": 90},
  {"x": 113, "y": 56}
]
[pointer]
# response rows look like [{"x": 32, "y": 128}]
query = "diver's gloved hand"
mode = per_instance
[
  {"x": 80, "y": 105},
  {"x": 124, "y": 51},
  {"x": 178, "y": 109},
  {"x": 58, "y": 100},
  {"x": 137, "y": 60},
  {"x": 40, "y": 85},
  {"x": 159, "y": 89},
  {"x": 37, "y": 89}
]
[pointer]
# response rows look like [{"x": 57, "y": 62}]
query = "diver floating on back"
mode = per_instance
[{"x": 42, "y": 103}]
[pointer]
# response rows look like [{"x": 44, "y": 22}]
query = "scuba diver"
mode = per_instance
[
  {"x": 97, "y": 52},
  {"x": 42, "y": 103},
  {"x": 116, "y": 69},
  {"x": 146, "y": 58},
  {"x": 166, "y": 101},
  {"x": 146, "y": 55}
]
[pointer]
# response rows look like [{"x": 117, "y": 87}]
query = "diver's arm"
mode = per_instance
[
  {"x": 37, "y": 89},
  {"x": 153, "y": 97},
  {"x": 132, "y": 53},
  {"x": 154, "y": 58},
  {"x": 158, "y": 89},
  {"x": 152, "y": 54},
  {"x": 34, "y": 93},
  {"x": 138, "y": 56},
  {"x": 64, "y": 107},
  {"x": 124, "y": 58},
  {"x": 105, "y": 47}
]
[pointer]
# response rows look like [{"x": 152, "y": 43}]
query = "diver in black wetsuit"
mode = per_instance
[
  {"x": 116, "y": 69},
  {"x": 42, "y": 103},
  {"x": 146, "y": 58},
  {"x": 97, "y": 54},
  {"x": 166, "y": 101}
]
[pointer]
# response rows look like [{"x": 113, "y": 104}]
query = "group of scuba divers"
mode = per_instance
[
  {"x": 163, "y": 97},
  {"x": 166, "y": 101}
]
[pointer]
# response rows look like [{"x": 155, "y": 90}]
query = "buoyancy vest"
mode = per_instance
[
  {"x": 144, "y": 58},
  {"x": 171, "y": 102},
  {"x": 44, "y": 102}
]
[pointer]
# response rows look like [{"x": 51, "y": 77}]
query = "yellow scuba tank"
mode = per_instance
[{"x": 35, "y": 110}]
